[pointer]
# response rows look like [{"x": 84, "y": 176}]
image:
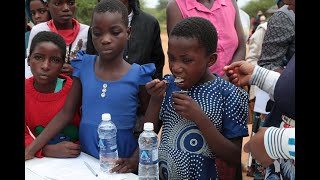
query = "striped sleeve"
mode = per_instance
[
  {"x": 280, "y": 142},
  {"x": 265, "y": 79}
]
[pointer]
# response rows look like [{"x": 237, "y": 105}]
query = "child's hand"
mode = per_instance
[
  {"x": 186, "y": 107},
  {"x": 156, "y": 87},
  {"x": 126, "y": 165},
  {"x": 64, "y": 149},
  {"x": 67, "y": 69},
  {"x": 27, "y": 154}
]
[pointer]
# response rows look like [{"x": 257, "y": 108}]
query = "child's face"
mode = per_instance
[
  {"x": 46, "y": 62},
  {"x": 188, "y": 60},
  {"x": 109, "y": 34},
  {"x": 39, "y": 12},
  {"x": 62, "y": 11}
]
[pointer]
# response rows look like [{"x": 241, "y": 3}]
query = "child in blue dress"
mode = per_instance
[
  {"x": 104, "y": 83},
  {"x": 202, "y": 115}
]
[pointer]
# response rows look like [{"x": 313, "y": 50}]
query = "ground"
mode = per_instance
[{"x": 166, "y": 70}]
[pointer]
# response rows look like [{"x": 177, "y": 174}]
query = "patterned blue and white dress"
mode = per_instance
[{"x": 183, "y": 151}]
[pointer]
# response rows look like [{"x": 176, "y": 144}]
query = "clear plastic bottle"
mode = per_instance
[
  {"x": 108, "y": 152},
  {"x": 148, "y": 154}
]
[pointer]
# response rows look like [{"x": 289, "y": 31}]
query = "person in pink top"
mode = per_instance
[{"x": 224, "y": 15}]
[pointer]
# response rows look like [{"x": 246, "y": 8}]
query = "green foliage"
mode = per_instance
[
  {"x": 142, "y": 4},
  {"x": 84, "y": 10},
  {"x": 162, "y": 4},
  {"x": 255, "y": 5},
  {"x": 159, "y": 13}
]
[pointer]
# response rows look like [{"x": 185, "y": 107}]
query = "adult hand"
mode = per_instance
[
  {"x": 64, "y": 149},
  {"x": 239, "y": 72},
  {"x": 256, "y": 146},
  {"x": 156, "y": 87},
  {"x": 67, "y": 69}
]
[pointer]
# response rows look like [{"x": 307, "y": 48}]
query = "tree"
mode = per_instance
[
  {"x": 162, "y": 4},
  {"x": 255, "y": 5},
  {"x": 84, "y": 10}
]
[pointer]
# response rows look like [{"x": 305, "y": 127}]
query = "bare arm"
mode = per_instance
[
  {"x": 240, "y": 53},
  {"x": 156, "y": 89},
  {"x": 173, "y": 15},
  {"x": 65, "y": 116}
]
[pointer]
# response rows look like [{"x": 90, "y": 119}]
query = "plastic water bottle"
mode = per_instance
[
  {"x": 148, "y": 153},
  {"x": 108, "y": 152}
]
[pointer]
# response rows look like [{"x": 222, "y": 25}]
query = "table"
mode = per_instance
[{"x": 39, "y": 168}]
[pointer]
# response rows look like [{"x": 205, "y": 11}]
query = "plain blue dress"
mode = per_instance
[
  {"x": 183, "y": 151},
  {"x": 119, "y": 98}
]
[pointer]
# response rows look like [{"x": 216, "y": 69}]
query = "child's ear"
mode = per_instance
[
  {"x": 212, "y": 59},
  {"x": 129, "y": 32}
]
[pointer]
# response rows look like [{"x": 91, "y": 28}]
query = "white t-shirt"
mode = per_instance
[{"x": 245, "y": 21}]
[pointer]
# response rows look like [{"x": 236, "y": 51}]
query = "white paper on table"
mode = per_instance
[{"x": 72, "y": 169}]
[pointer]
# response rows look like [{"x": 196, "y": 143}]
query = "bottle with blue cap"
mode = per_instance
[
  {"x": 108, "y": 149},
  {"x": 148, "y": 153}
]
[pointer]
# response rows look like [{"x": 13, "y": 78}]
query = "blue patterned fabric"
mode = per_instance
[
  {"x": 120, "y": 100},
  {"x": 183, "y": 151}
]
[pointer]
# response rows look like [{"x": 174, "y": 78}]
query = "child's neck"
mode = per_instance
[
  {"x": 208, "y": 76},
  {"x": 111, "y": 70},
  {"x": 60, "y": 26},
  {"x": 46, "y": 89}
]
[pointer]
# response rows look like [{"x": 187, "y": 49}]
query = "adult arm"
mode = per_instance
[
  {"x": 243, "y": 73},
  {"x": 173, "y": 15},
  {"x": 265, "y": 79},
  {"x": 272, "y": 143},
  {"x": 240, "y": 53},
  {"x": 280, "y": 142},
  {"x": 64, "y": 117}
]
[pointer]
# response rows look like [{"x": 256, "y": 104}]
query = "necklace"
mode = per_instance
[{"x": 104, "y": 90}]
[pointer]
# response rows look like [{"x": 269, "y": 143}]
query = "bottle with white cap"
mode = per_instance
[
  {"x": 108, "y": 150},
  {"x": 148, "y": 153}
]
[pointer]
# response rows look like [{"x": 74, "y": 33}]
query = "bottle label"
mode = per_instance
[
  {"x": 109, "y": 145},
  {"x": 149, "y": 157}
]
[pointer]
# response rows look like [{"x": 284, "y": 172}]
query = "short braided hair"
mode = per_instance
[
  {"x": 49, "y": 36},
  {"x": 199, "y": 28},
  {"x": 112, "y": 6}
]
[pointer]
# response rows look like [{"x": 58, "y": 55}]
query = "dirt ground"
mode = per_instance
[{"x": 166, "y": 70}]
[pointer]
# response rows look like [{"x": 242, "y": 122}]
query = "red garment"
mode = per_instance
[
  {"x": 69, "y": 35},
  {"x": 40, "y": 108},
  {"x": 225, "y": 171}
]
